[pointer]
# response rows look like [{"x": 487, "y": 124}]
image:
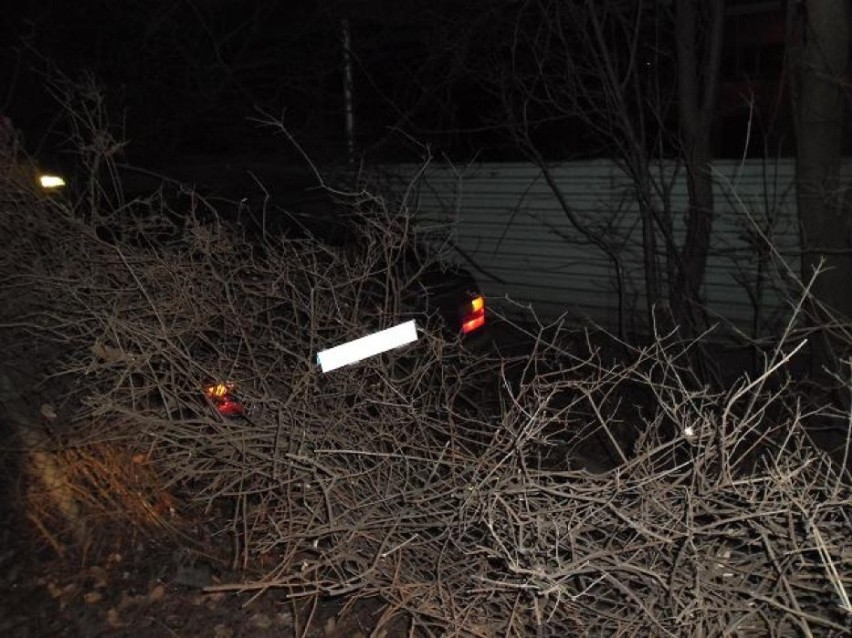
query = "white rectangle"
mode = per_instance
[{"x": 376, "y": 343}]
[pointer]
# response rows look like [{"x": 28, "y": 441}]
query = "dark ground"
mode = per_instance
[{"x": 148, "y": 591}]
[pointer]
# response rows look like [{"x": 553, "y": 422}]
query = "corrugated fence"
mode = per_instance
[{"x": 505, "y": 219}]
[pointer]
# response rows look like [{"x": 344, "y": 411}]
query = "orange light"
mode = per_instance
[
  {"x": 475, "y": 319},
  {"x": 219, "y": 391},
  {"x": 222, "y": 397},
  {"x": 474, "y": 323}
]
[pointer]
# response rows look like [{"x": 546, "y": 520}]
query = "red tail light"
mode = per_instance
[
  {"x": 230, "y": 408},
  {"x": 474, "y": 315},
  {"x": 222, "y": 397}
]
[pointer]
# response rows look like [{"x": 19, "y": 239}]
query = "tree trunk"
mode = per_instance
[
  {"x": 698, "y": 75},
  {"x": 818, "y": 61}
]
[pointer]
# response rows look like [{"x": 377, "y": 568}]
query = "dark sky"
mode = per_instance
[
  {"x": 183, "y": 76},
  {"x": 188, "y": 76}
]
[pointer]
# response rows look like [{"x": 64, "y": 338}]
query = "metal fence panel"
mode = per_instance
[{"x": 505, "y": 219}]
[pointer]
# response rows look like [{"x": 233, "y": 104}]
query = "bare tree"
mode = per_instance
[{"x": 612, "y": 70}]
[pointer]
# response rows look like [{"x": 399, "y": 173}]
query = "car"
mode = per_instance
[
  {"x": 431, "y": 289},
  {"x": 292, "y": 204},
  {"x": 298, "y": 208},
  {"x": 438, "y": 296}
]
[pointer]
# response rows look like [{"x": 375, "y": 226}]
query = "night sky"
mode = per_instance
[
  {"x": 182, "y": 76},
  {"x": 189, "y": 77}
]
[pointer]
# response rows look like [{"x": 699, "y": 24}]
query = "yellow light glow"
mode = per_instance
[
  {"x": 477, "y": 303},
  {"x": 51, "y": 181},
  {"x": 219, "y": 390}
]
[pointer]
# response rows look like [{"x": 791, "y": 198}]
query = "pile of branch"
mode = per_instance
[{"x": 439, "y": 480}]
